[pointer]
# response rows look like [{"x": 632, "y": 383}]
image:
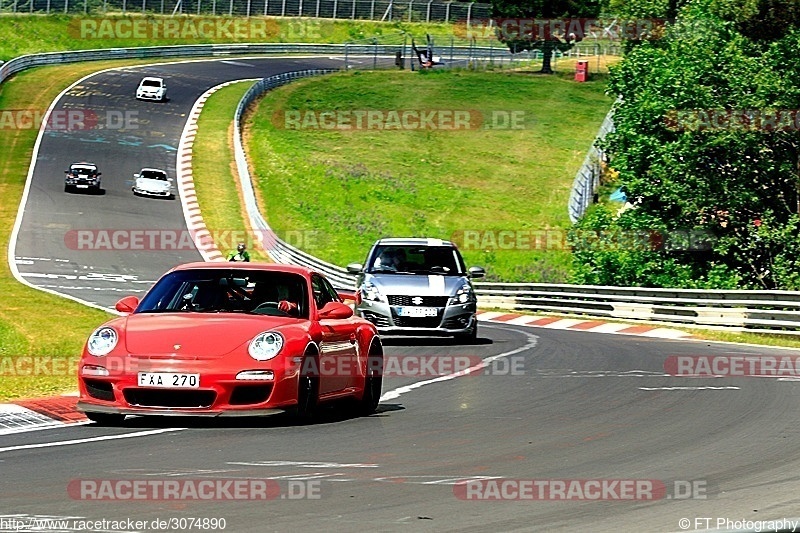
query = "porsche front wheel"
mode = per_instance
[
  {"x": 307, "y": 391},
  {"x": 373, "y": 382}
]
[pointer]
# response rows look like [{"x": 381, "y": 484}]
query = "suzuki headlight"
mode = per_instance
[
  {"x": 370, "y": 292},
  {"x": 463, "y": 295},
  {"x": 102, "y": 341},
  {"x": 265, "y": 346}
]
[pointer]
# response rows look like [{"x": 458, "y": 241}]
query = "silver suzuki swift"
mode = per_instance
[{"x": 416, "y": 286}]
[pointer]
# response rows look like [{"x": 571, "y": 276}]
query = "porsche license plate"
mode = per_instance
[
  {"x": 82, "y": 186},
  {"x": 417, "y": 311},
  {"x": 168, "y": 380}
]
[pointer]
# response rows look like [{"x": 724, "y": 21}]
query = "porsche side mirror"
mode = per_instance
[
  {"x": 127, "y": 304},
  {"x": 355, "y": 268},
  {"x": 476, "y": 272},
  {"x": 335, "y": 311}
]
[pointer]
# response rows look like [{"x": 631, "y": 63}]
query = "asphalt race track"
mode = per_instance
[
  {"x": 587, "y": 406},
  {"x": 550, "y": 405},
  {"x": 49, "y": 252}
]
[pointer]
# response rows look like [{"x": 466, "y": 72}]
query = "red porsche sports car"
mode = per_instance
[{"x": 231, "y": 339}]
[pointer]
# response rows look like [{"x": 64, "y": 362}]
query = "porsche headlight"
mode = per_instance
[
  {"x": 463, "y": 295},
  {"x": 265, "y": 346},
  {"x": 102, "y": 341},
  {"x": 370, "y": 292}
]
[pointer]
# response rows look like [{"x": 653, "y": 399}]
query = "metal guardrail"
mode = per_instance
[
  {"x": 588, "y": 177},
  {"x": 213, "y": 50},
  {"x": 280, "y": 251},
  {"x": 758, "y": 311},
  {"x": 745, "y": 310}
]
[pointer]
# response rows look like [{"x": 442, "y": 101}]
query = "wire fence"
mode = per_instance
[
  {"x": 380, "y": 10},
  {"x": 587, "y": 180}
]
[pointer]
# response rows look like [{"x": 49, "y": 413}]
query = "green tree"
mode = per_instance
[
  {"x": 546, "y": 37},
  {"x": 687, "y": 167}
]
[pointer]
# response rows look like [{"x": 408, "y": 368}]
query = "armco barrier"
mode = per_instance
[
  {"x": 212, "y": 50},
  {"x": 588, "y": 177},
  {"x": 758, "y": 311},
  {"x": 280, "y": 251},
  {"x": 745, "y": 310}
]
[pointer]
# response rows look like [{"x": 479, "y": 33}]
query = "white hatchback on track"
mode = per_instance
[{"x": 152, "y": 89}]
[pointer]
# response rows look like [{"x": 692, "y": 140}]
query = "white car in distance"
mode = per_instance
[
  {"x": 153, "y": 182},
  {"x": 152, "y": 89}
]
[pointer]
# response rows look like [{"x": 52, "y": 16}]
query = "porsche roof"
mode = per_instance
[{"x": 225, "y": 265}]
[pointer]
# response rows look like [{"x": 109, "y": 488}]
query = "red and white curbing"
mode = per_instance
[
  {"x": 571, "y": 324},
  {"x": 39, "y": 413},
  {"x": 191, "y": 208}
]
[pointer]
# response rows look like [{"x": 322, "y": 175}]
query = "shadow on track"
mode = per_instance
[
  {"x": 433, "y": 341},
  {"x": 333, "y": 413}
]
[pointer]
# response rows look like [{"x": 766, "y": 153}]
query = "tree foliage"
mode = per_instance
[
  {"x": 686, "y": 166},
  {"x": 546, "y": 41}
]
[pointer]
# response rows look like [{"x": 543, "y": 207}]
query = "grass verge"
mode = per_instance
[
  {"x": 30, "y": 33},
  {"x": 351, "y": 187},
  {"x": 214, "y": 171}
]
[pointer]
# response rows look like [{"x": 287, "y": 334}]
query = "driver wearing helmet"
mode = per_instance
[{"x": 241, "y": 254}]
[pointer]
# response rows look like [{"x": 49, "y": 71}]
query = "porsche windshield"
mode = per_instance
[
  {"x": 226, "y": 291},
  {"x": 442, "y": 260}
]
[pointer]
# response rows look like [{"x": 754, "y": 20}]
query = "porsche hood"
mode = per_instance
[{"x": 193, "y": 334}]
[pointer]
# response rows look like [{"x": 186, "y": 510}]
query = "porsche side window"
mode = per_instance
[
  {"x": 332, "y": 294},
  {"x": 321, "y": 293}
]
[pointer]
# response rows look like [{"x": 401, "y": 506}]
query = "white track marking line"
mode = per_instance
[
  {"x": 56, "y": 424},
  {"x": 396, "y": 393},
  {"x": 89, "y": 439},
  {"x": 687, "y": 388}
]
